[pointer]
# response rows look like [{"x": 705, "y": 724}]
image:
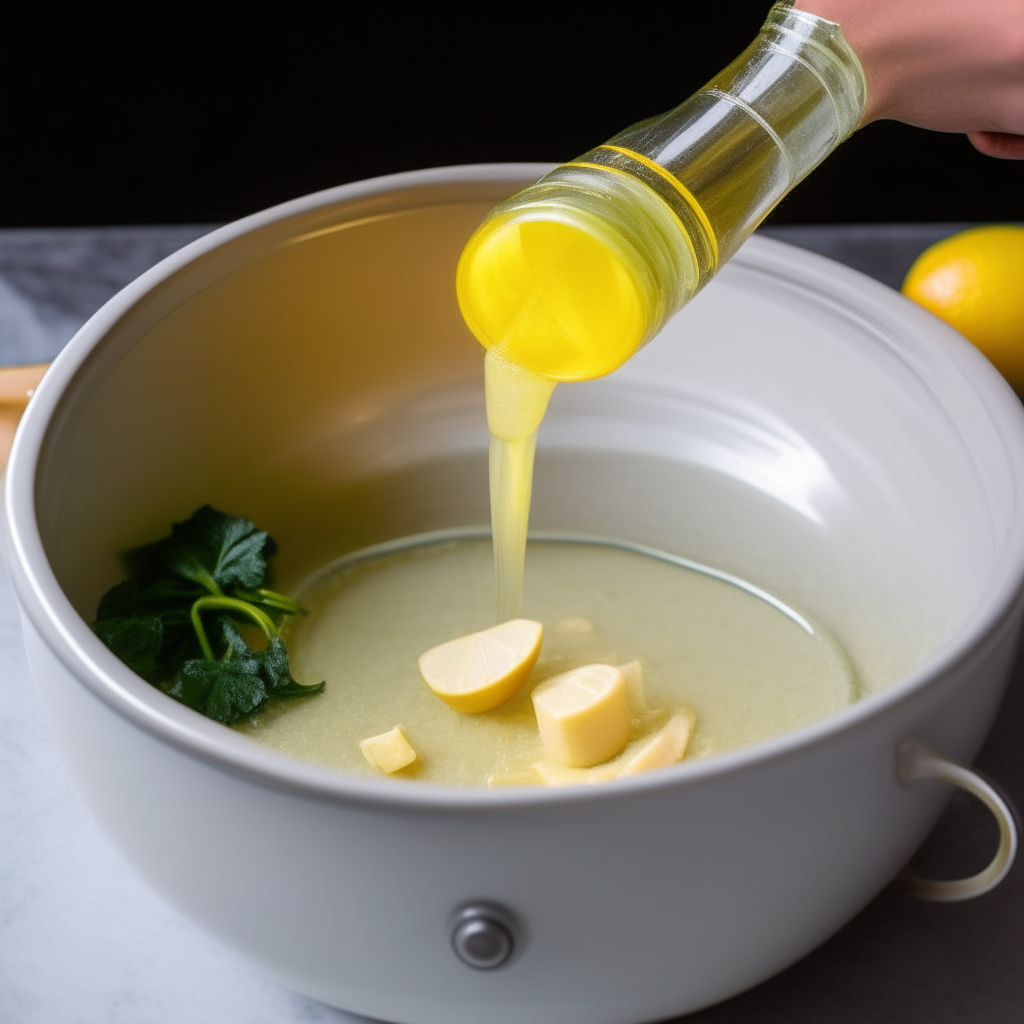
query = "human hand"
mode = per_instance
[{"x": 949, "y": 65}]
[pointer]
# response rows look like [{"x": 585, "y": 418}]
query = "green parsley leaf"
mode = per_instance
[
  {"x": 276, "y": 674},
  {"x": 136, "y": 640},
  {"x": 174, "y": 624},
  {"x": 222, "y": 690},
  {"x": 213, "y": 549},
  {"x": 164, "y": 602},
  {"x": 271, "y": 663}
]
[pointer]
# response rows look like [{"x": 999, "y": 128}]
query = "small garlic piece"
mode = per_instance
[
  {"x": 481, "y": 671},
  {"x": 583, "y": 715},
  {"x": 389, "y": 752},
  {"x": 665, "y": 747}
]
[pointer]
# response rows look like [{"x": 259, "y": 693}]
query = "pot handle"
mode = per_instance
[{"x": 916, "y": 761}]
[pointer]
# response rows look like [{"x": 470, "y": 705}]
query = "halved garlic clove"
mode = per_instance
[{"x": 481, "y": 671}]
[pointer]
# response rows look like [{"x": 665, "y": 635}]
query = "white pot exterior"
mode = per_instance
[
  {"x": 635, "y": 907},
  {"x": 634, "y": 902}
]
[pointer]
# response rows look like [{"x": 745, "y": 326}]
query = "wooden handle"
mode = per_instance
[{"x": 17, "y": 385}]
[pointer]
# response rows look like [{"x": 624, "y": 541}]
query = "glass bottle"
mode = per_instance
[{"x": 569, "y": 277}]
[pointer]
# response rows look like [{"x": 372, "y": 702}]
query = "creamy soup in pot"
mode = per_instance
[{"x": 740, "y": 663}]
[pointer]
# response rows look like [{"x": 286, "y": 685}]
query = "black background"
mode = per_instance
[{"x": 179, "y": 113}]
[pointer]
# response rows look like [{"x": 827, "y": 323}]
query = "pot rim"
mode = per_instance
[{"x": 70, "y": 638}]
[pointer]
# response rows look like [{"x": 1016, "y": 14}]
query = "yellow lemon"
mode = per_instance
[
  {"x": 481, "y": 671},
  {"x": 974, "y": 280}
]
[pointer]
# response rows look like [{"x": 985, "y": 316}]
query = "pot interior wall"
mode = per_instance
[{"x": 328, "y": 389}]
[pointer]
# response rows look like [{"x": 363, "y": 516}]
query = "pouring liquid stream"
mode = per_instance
[
  {"x": 563, "y": 307},
  {"x": 516, "y": 402}
]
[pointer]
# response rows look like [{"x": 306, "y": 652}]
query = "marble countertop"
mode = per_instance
[{"x": 84, "y": 941}]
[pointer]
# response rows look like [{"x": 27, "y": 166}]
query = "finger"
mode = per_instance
[{"x": 998, "y": 144}]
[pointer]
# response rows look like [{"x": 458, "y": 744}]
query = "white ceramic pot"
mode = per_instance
[{"x": 798, "y": 424}]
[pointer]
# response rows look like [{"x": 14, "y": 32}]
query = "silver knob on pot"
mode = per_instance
[{"x": 483, "y": 935}]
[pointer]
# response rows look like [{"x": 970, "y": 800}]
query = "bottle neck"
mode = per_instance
[{"x": 726, "y": 156}]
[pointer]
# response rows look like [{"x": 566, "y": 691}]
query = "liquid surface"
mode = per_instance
[{"x": 747, "y": 669}]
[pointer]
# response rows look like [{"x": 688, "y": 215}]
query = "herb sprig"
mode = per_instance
[{"x": 175, "y": 622}]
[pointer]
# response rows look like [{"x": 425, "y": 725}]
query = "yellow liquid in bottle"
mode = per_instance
[
  {"x": 550, "y": 303},
  {"x": 552, "y": 298}
]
